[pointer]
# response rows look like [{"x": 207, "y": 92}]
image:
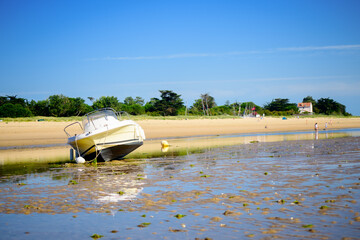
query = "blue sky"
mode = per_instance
[{"x": 234, "y": 50}]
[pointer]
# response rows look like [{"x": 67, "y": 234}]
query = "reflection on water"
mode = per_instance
[
  {"x": 178, "y": 146},
  {"x": 57, "y": 189}
]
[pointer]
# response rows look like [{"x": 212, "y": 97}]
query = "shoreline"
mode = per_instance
[{"x": 48, "y": 133}]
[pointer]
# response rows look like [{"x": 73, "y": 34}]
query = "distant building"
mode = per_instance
[{"x": 305, "y": 107}]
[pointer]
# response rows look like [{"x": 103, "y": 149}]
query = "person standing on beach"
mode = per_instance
[
  {"x": 326, "y": 126},
  {"x": 316, "y": 126}
]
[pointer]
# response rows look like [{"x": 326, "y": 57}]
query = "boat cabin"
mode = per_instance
[{"x": 99, "y": 119}]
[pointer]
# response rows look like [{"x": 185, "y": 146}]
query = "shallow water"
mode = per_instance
[
  {"x": 152, "y": 147},
  {"x": 290, "y": 189}
]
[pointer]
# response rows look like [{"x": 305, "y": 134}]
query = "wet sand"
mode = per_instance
[
  {"x": 45, "y": 133},
  {"x": 301, "y": 189}
]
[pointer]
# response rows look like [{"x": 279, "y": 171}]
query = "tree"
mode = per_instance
[
  {"x": 40, "y": 108},
  {"x": 309, "y": 99},
  {"x": 3, "y": 100},
  {"x": 281, "y": 104},
  {"x": 134, "y": 106},
  {"x": 203, "y": 104},
  {"x": 91, "y": 99},
  {"x": 139, "y": 100},
  {"x": 169, "y": 104},
  {"x": 150, "y": 106},
  {"x": 14, "y": 110},
  {"x": 130, "y": 101},
  {"x": 235, "y": 108},
  {"x": 12, "y": 106},
  {"x": 107, "y": 102},
  {"x": 328, "y": 106},
  {"x": 14, "y": 100},
  {"x": 134, "y": 109},
  {"x": 208, "y": 102},
  {"x": 77, "y": 107},
  {"x": 60, "y": 106},
  {"x": 313, "y": 102}
]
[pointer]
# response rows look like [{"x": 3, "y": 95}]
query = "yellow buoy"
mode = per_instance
[
  {"x": 164, "y": 144},
  {"x": 164, "y": 149}
]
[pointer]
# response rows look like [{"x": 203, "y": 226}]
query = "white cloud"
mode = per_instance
[
  {"x": 239, "y": 80},
  {"x": 173, "y": 56},
  {"x": 321, "y": 48},
  {"x": 235, "y": 53}
]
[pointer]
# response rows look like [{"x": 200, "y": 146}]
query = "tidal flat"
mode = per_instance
[{"x": 301, "y": 189}]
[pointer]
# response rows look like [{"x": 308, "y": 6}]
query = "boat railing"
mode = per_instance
[
  {"x": 122, "y": 114},
  {"x": 91, "y": 118},
  {"x": 99, "y": 110},
  {"x": 71, "y": 125},
  {"x": 119, "y": 114}
]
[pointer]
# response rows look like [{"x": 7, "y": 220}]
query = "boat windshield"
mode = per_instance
[{"x": 94, "y": 120}]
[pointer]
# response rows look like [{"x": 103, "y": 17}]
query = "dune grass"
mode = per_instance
[{"x": 41, "y": 118}]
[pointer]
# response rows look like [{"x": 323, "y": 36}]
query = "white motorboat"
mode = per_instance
[{"x": 106, "y": 136}]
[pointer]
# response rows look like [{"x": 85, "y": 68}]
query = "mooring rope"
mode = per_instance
[{"x": 107, "y": 132}]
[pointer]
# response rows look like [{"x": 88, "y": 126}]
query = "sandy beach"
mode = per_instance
[{"x": 44, "y": 133}]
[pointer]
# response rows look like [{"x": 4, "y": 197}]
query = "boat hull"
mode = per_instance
[
  {"x": 108, "y": 145},
  {"x": 112, "y": 152},
  {"x": 119, "y": 151}
]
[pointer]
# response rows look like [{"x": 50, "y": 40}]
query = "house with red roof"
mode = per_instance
[{"x": 305, "y": 108}]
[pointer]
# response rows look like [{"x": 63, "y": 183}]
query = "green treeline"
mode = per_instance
[{"x": 168, "y": 104}]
